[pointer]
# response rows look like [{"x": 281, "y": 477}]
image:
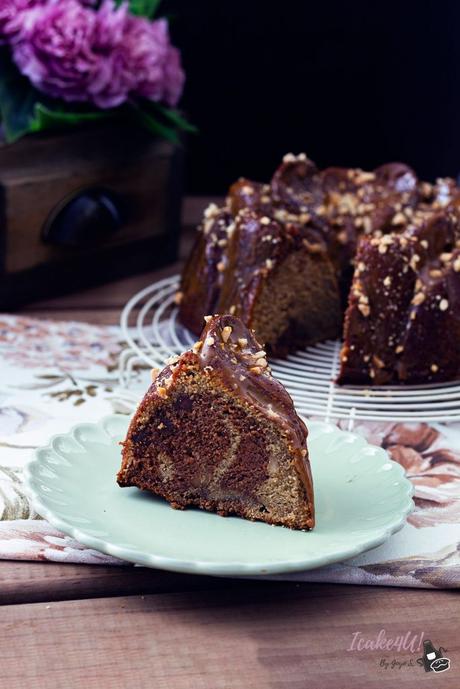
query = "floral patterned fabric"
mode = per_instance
[{"x": 53, "y": 375}]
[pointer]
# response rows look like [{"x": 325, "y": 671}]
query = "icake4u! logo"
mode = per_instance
[{"x": 433, "y": 659}]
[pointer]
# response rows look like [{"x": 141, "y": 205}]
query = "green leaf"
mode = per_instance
[
  {"x": 176, "y": 118},
  {"x": 51, "y": 118},
  {"x": 152, "y": 124},
  {"x": 17, "y": 99},
  {"x": 143, "y": 8}
]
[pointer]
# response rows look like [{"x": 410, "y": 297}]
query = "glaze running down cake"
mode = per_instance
[
  {"x": 216, "y": 430},
  {"x": 315, "y": 255}
]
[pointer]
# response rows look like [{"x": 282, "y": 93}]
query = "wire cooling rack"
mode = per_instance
[{"x": 153, "y": 333}]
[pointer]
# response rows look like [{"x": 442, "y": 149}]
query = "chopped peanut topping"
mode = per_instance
[
  {"x": 398, "y": 219},
  {"x": 414, "y": 260},
  {"x": 363, "y": 177},
  {"x": 443, "y": 304},
  {"x": 419, "y": 298},
  {"x": 173, "y": 359},
  {"x": 211, "y": 211},
  {"x": 226, "y": 332}
]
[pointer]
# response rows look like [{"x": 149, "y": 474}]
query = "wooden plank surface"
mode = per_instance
[
  {"x": 99, "y": 305},
  {"x": 34, "y": 582},
  {"x": 234, "y": 639}
]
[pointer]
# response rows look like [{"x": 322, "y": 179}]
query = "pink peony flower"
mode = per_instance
[
  {"x": 73, "y": 51},
  {"x": 154, "y": 60},
  {"x": 11, "y": 17},
  {"x": 174, "y": 76}
]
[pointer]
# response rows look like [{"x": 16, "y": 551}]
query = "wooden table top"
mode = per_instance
[{"x": 66, "y": 626}]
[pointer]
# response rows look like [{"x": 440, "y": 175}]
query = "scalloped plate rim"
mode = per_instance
[{"x": 209, "y": 567}]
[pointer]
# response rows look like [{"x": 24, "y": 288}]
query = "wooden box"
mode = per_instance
[{"x": 82, "y": 207}]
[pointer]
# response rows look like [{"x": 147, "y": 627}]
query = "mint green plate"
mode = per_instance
[{"x": 361, "y": 496}]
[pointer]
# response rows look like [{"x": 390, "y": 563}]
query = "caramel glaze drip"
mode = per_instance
[{"x": 230, "y": 349}]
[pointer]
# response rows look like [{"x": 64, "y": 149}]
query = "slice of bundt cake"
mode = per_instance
[{"x": 217, "y": 431}]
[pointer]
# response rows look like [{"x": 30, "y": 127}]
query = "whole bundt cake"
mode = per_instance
[
  {"x": 217, "y": 431},
  {"x": 316, "y": 254}
]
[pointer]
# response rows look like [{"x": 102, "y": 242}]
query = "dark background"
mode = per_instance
[{"x": 349, "y": 83}]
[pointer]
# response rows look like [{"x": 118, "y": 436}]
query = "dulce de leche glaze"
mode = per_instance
[{"x": 230, "y": 350}]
